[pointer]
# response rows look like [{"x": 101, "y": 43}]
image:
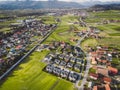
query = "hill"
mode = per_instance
[
  {"x": 12, "y": 5},
  {"x": 106, "y": 7}
]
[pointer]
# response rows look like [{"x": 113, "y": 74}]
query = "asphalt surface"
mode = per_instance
[{"x": 84, "y": 80}]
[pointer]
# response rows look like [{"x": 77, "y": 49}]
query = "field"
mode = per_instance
[
  {"x": 65, "y": 31},
  {"x": 29, "y": 76},
  {"x": 110, "y": 31}
]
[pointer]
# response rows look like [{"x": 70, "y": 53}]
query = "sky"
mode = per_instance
[{"x": 72, "y": 0}]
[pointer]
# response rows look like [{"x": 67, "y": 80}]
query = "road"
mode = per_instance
[{"x": 81, "y": 87}]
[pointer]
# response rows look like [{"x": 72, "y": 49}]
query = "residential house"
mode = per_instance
[
  {"x": 73, "y": 59},
  {"x": 57, "y": 61},
  {"x": 69, "y": 65},
  {"x": 93, "y": 76},
  {"x": 95, "y": 88},
  {"x": 77, "y": 67},
  {"x": 112, "y": 70},
  {"x": 93, "y": 61},
  {"x": 63, "y": 63},
  {"x": 107, "y": 87},
  {"x": 102, "y": 71},
  {"x": 107, "y": 80}
]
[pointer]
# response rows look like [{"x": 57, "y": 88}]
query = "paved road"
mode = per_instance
[
  {"x": 81, "y": 87},
  {"x": 86, "y": 73}
]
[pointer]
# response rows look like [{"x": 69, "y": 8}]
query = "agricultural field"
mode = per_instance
[
  {"x": 110, "y": 31},
  {"x": 29, "y": 76},
  {"x": 99, "y": 17},
  {"x": 65, "y": 31}
]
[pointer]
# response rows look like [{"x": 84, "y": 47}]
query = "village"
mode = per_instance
[
  {"x": 69, "y": 62},
  {"x": 57, "y": 55},
  {"x": 64, "y": 60},
  {"x": 15, "y": 44}
]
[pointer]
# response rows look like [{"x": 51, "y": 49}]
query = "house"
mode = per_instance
[
  {"x": 73, "y": 59},
  {"x": 48, "y": 58},
  {"x": 73, "y": 76},
  {"x": 57, "y": 61},
  {"x": 109, "y": 57},
  {"x": 61, "y": 56},
  {"x": 93, "y": 61},
  {"x": 77, "y": 67},
  {"x": 100, "y": 52},
  {"x": 78, "y": 61},
  {"x": 62, "y": 44},
  {"x": 57, "y": 70},
  {"x": 103, "y": 62},
  {"x": 93, "y": 54},
  {"x": 69, "y": 65},
  {"x": 49, "y": 68},
  {"x": 112, "y": 70},
  {"x": 64, "y": 73},
  {"x": 62, "y": 63},
  {"x": 95, "y": 88},
  {"x": 102, "y": 70},
  {"x": 107, "y": 87},
  {"x": 89, "y": 84},
  {"x": 93, "y": 76},
  {"x": 107, "y": 80},
  {"x": 67, "y": 58}
]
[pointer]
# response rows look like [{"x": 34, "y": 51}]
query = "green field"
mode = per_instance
[
  {"x": 64, "y": 31},
  {"x": 29, "y": 75},
  {"x": 110, "y": 32},
  {"x": 95, "y": 17}
]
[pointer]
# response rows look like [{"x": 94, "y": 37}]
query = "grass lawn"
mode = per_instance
[
  {"x": 29, "y": 76},
  {"x": 111, "y": 34},
  {"x": 64, "y": 32},
  {"x": 5, "y": 30},
  {"x": 95, "y": 17},
  {"x": 89, "y": 42}
]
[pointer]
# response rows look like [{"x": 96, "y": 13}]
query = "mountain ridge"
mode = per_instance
[{"x": 38, "y": 5}]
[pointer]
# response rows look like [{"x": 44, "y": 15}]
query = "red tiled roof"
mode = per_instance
[
  {"x": 104, "y": 61},
  {"x": 112, "y": 69},
  {"x": 107, "y": 79},
  {"x": 100, "y": 51},
  {"x": 107, "y": 87},
  {"x": 95, "y": 88},
  {"x": 93, "y": 54},
  {"x": 102, "y": 71},
  {"x": 94, "y": 75}
]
